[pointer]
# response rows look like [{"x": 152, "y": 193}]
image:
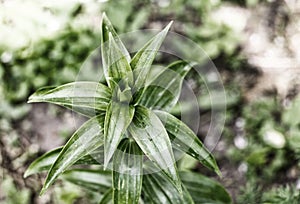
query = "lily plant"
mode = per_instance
[{"x": 129, "y": 136}]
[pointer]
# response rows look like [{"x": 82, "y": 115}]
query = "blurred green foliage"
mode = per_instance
[
  {"x": 12, "y": 194},
  {"x": 193, "y": 19},
  {"x": 270, "y": 150},
  {"x": 41, "y": 58},
  {"x": 282, "y": 195},
  {"x": 53, "y": 61}
]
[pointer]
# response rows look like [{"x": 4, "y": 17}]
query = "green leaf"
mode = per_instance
[
  {"x": 151, "y": 136},
  {"x": 44, "y": 162},
  {"x": 107, "y": 197},
  {"x": 127, "y": 174},
  {"x": 86, "y": 139},
  {"x": 158, "y": 189},
  {"x": 119, "y": 69},
  {"x": 203, "y": 189},
  {"x": 107, "y": 30},
  {"x": 83, "y": 97},
  {"x": 95, "y": 180},
  {"x": 184, "y": 139},
  {"x": 143, "y": 59},
  {"x": 164, "y": 91},
  {"x": 118, "y": 117}
]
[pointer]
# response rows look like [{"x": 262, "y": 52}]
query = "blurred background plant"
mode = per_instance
[{"x": 253, "y": 43}]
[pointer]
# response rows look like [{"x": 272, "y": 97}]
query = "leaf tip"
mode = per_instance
[
  {"x": 104, "y": 21},
  {"x": 34, "y": 98},
  {"x": 26, "y": 174},
  {"x": 104, "y": 16},
  {"x": 30, "y": 100},
  {"x": 218, "y": 172},
  {"x": 216, "y": 168},
  {"x": 169, "y": 25},
  {"x": 43, "y": 191}
]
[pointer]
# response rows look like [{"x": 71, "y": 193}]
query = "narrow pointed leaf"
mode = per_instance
[
  {"x": 118, "y": 117},
  {"x": 106, "y": 30},
  {"x": 83, "y": 97},
  {"x": 107, "y": 197},
  {"x": 86, "y": 139},
  {"x": 127, "y": 174},
  {"x": 95, "y": 180},
  {"x": 151, "y": 136},
  {"x": 158, "y": 189},
  {"x": 184, "y": 139},
  {"x": 164, "y": 91},
  {"x": 143, "y": 59},
  {"x": 44, "y": 162},
  {"x": 204, "y": 189},
  {"x": 119, "y": 69}
]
